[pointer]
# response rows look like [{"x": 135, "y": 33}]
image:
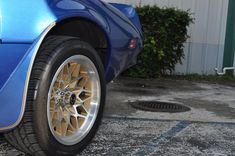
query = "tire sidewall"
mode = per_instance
[{"x": 59, "y": 55}]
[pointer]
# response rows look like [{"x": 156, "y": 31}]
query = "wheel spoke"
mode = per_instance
[
  {"x": 87, "y": 91},
  {"x": 73, "y": 83},
  {"x": 64, "y": 127},
  {"x": 85, "y": 82},
  {"x": 66, "y": 70},
  {"x": 69, "y": 74},
  {"x": 61, "y": 83},
  {"x": 60, "y": 77},
  {"x": 52, "y": 94},
  {"x": 56, "y": 123},
  {"x": 72, "y": 128},
  {"x": 84, "y": 109},
  {"x": 81, "y": 116},
  {"x": 86, "y": 99},
  {"x": 74, "y": 122},
  {"x": 76, "y": 113},
  {"x": 72, "y": 71}
]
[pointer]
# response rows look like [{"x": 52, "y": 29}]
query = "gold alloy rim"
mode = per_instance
[{"x": 73, "y": 100}]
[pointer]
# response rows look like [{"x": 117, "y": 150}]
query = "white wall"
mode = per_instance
[{"x": 204, "y": 50}]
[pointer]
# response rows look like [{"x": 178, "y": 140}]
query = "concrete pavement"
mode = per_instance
[{"x": 207, "y": 129}]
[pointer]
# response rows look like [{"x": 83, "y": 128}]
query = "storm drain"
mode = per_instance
[{"x": 159, "y": 106}]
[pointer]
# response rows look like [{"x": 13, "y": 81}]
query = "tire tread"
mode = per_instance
[{"x": 24, "y": 137}]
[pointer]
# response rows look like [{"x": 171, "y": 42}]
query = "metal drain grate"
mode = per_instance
[{"x": 159, "y": 106}]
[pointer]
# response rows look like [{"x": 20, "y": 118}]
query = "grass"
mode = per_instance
[
  {"x": 190, "y": 77},
  {"x": 197, "y": 77}
]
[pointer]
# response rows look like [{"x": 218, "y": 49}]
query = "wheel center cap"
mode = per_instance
[{"x": 66, "y": 98}]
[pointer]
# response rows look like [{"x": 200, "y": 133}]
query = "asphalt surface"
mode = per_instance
[{"x": 207, "y": 129}]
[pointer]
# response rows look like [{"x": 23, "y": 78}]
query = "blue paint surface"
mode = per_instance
[
  {"x": 11, "y": 95},
  {"x": 23, "y": 22},
  {"x": 11, "y": 54}
]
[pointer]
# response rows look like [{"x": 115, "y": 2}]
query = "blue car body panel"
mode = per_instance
[
  {"x": 23, "y": 26},
  {"x": 11, "y": 54}
]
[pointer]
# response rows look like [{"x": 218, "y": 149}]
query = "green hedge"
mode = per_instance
[{"x": 164, "y": 32}]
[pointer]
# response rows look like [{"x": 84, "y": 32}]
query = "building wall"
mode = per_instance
[{"x": 205, "y": 48}]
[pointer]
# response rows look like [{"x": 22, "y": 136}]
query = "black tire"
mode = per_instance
[{"x": 33, "y": 135}]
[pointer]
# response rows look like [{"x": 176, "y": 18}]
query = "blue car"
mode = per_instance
[{"x": 56, "y": 57}]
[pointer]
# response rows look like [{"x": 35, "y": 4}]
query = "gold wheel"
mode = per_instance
[{"x": 73, "y": 100}]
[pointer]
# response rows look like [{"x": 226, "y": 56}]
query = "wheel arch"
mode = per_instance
[{"x": 86, "y": 30}]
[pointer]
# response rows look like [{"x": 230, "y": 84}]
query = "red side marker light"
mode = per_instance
[{"x": 133, "y": 43}]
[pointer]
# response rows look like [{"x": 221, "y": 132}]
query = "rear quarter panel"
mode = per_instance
[{"x": 22, "y": 25}]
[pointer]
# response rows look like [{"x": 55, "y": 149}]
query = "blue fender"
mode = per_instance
[
  {"x": 14, "y": 93},
  {"x": 22, "y": 36}
]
